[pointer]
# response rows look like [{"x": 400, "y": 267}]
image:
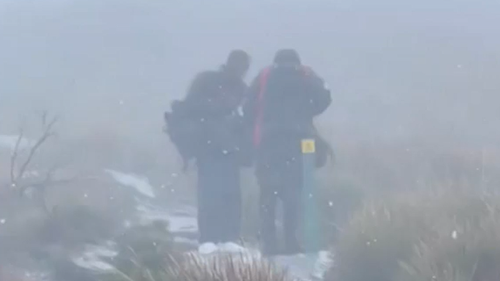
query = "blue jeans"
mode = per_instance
[{"x": 219, "y": 198}]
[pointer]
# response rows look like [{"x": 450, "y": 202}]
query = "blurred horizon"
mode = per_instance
[{"x": 421, "y": 70}]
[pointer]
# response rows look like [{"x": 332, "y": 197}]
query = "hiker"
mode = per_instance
[
  {"x": 206, "y": 127},
  {"x": 280, "y": 107}
]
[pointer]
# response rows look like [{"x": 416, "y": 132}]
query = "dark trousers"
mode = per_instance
[
  {"x": 290, "y": 197},
  {"x": 279, "y": 174},
  {"x": 219, "y": 199}
]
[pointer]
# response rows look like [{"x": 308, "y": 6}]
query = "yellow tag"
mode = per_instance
[{"x": 308, "y": 146}]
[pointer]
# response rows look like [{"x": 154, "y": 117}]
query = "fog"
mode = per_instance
[
  {"x": 398, "y": 70},
  {"x": 402, "y": 73}
]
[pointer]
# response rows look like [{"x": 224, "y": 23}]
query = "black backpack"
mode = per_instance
[{"x": 183, "y": 131}]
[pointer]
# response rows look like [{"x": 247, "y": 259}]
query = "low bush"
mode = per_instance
[{"x": 383, "y": 240}]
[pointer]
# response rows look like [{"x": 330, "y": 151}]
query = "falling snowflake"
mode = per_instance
[
  {"x": 85, "y": 195},
  {"x": 3, "y": 221},
  {"x": 454, "y": 234},
  {"x": 225, "y": 152},
  {"x": 330, "y": 204}
]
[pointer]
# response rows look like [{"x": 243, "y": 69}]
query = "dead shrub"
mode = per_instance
[{"x": 227, "y": 268}]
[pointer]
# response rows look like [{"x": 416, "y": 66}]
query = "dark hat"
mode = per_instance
[
  {"x": 237, "y": 57},
  {"x": 287, "y": 56}
]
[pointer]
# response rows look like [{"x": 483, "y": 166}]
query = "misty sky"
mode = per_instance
[{"x": 426, "y": 69}]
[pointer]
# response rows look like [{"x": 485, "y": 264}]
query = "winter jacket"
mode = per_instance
[
  {"x": 206, "y": 121},
  {"x": 280, "y": 107}
]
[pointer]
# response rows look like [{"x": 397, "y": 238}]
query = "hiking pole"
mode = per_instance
[{"x": 309, "y": 193}]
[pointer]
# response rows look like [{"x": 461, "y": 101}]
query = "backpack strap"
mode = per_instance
[{"x": 257, "y": 133}]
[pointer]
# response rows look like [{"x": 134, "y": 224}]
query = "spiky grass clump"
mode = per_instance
[
  {"x": 384, "y": 235},
  {"x": 227, "y": 268},
  {"x": 466, "y": 250},
  {"x": 374, "y": 241}
]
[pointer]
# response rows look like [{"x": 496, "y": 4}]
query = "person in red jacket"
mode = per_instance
[{"x": 281, "y": 104}]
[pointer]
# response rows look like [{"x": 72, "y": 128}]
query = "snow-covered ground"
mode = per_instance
[
  {"x": 182, "y": 220},
  {"x": 182, "y": 224}
]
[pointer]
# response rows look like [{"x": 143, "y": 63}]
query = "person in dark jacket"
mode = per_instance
[
  {"x": 210, "y": 132},
  {"x": 280, "y": 107}
]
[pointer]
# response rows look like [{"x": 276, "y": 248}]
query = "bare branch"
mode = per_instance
[
  {"x": 13, "y": 158},
  {"x": 47, "y": 133}
]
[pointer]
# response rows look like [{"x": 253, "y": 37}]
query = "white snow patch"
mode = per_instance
[
  {"x": 210, "y": 249},
  {"x": 102, "y": 251},
  {"x": 183, "y": 240},
  {"x": 91, "y": 263},
  {"x": 141, "y": 184},
  {"x": 323, "y": 263},
  {"x": 91, "y": 258},
  {"x": 207, "y": 248},
  {"x": 176, "y": 223}
]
